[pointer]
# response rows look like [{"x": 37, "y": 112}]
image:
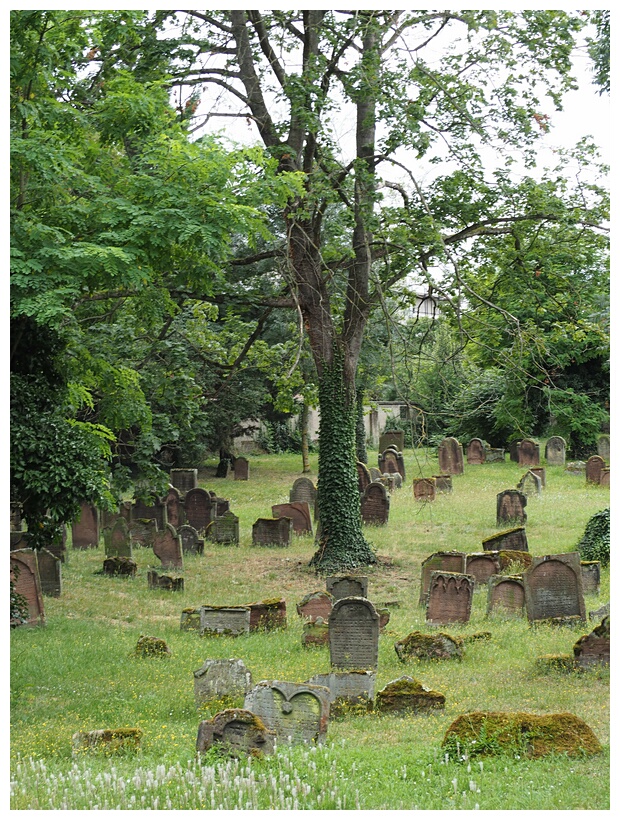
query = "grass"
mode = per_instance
[{"x": 78, "y": 673}]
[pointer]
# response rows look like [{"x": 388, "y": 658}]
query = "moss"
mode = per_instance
[
  {"x": 555, "y": 663},
  {"x": 517, "y": 558},
  {"x": 408, "y": 694},
  {"x": 475, "y": 637},
  {"x": 149, "y": 647},
  {"x": 562, "y": 620},
  {"x": 420, "y": 645}
]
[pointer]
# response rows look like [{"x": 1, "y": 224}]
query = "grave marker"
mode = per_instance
[
  {"x": 346, "y": 586},
  {"x": 424, "y": 489},
  {"x": 347, "y": 689},
  {"x": 450, "y": 597},
  {"x": 298, "y": 512},
  {"x": 555, "y": 451},
  {"x": 450, "y": 454},
  {"x": 392, "y": 438},
  {"x": 174, "y": 508},
  {"x": 406, "y": 694},
  {"x": 296, "y": 712},
  {"x": 167, "y": 582},
  {"x": 50, "y": 573},
  {"x": 167, "y": 547},
  {"x": 506, "y": 595},
  {"x": 392, "y": 462},
  {"x": 553, "y": 587},
  {"x": 513, "y": 450},
  {"x": 604, "y": 479},
  {"x": 443, "y": 561},
  {"x": 603, "y": 447},
  {"x": 85, "y": 530},
  {"x": 225, "y": 529},
  {"x": 199, "y": 510},
  {"x": 593, "y": 649},
  {"x": 476, "y": 451},
  {"x": 142, "y": 531},
  {"x": 267, "y": 615},
  {"x": 513, "y": 539},
  {"x": 118, "y": 540},
  {"x": 315, "y": 605},
  {"x": 594, "y": 465},
  {"x": 443, "y": 483},
  {"x": 375, "y": 504},
  {"x": 481, "y": 565},
  {"x": 25, "y": 575},
  {"x": 363, "y": 476},
  {"x": 511, "y": 507},
  {"x": 221, "y": 678},
  {"x": 241, "y": 467},
  {"x": 224, "y": 620},
  {"x": 272, "y": 532},
  {"x": 120, "y": 565},
  {"x": 184, "y": 479},
  {"x": 591, "y": 577},
  {"x": 157, "y": 511},
  {"x": 190, "y": 540},
  {"x": 542, "y": 475},
  {"x": 354, "y": 634},
  {"x": 303, "y": 490},
  {"x": 495, "y": 455},
  {"x": 528, "y": 452},
  {"x": 236, "y": 732},
  {"x": 530, "y": 484}
]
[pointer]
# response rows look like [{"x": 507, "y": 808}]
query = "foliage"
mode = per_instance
[
  {"x": 599, "y": 49},
  {"x": 595, "y": 544}
]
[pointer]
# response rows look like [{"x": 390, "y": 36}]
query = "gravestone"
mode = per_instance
[
  {"x": 424, "y": 489},
  {"x": 237, "y": 733},
  {"x": 450, "y": 597},
  {"x": 513, "y": 450},
  {"x": 530, "y": 484},
  {"x": 347, "y": 586},
  {"x": 174, "y": 508},
  {"x": 221, "y": 678},
  {"x": 184, "y": 479},
  {"x": 267, "y": 615},
  {"x": 444, "y": 561},
  {"x": 167, "y": 582},
  {"x": 392, "y": 438},
  {"x": 241, "y": 467},
  {"x": 199, "y": 509},
  {"x": 118, "y": 540},
  {"x": 25, "y": 575},
  {"x": 513, "y": 539},
  {"x": 191, "y": 542},
  {"x": 315, "y": 605},
  {"x": 224, "y": 620},
  {"x": 315, "y": 632},
  {"x": 167, "y": 547},
  {"x": 354, "y": 634},
  {"x": 392, "y": 462},
  {"x": 511, "y": 507},
  {"x": 407, "y": 695},
  {"x": 303, "y": 490},
  {"x": 50, "y": 573},
  {"x": 107, "y": 741},
  {"x": 296, "y": 712},
  {"x": 603, "y": 447},
  {"x": 604, "y": 479},
  {"x": 506, "y": 595},
  {"x": 143, "y": 531},
  {"x": 298, "y": 512},
  {"x": 157, "y": 511},
  {"x": 591, "y": 577},
  {"x": 594, "y": 465},
  {"x": 190, "y": 620},
  {"x": 375, "y": 504},
  {"x": 542, "y": 475},
  {"x": 225, "y": 529},
  {"x": 555, "y": 451},
  {"x": 528, "y": 452},
  {"x": 450, "y": 454},
  {"x": 272, "y": 532},
  {"x": 593, "y": 649},
  {"x": 481, "y": 565},
  {"x": 120, "y": 565},
  {"x": 375, "y": 474},
  {"x": 363, "y": 476},
  {"x": 222, "y": 506},
  {"x": 553, "y": 587},
  {"x": 495, "y": 455},
  {"x": 347, "y": 689},
  {"x": 85, "y": 531},
  {"x": 422, "y": 646},
  {"x": 476, "y": 451},
  {"x": 443, "y": 483}
]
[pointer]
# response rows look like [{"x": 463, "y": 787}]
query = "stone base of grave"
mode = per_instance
[
  {"x": 108, "y": 741},
  {"x": 120, "y": 565},
  {"x": 408, "y": 695},
  {"x": 172, "y": 584},
  {"x": 563, "y": 620}
]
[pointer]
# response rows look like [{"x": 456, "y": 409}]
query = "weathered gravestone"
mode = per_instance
[
  {"x": 450, "y": 454},
  {"x": 476, "y": 451},
  {"x": 267, "y": 615},
  {"x": 406, "y": 694},
  {"x": 191, "y": 542},
  {"x": 225, "y": 529},
  {"x": 167, "y": 582},
  {"x": 237, "y": 733},
  {"x": 593, "y": 649},
  {"x": 424, "y": 489},
  {"x": 156, "y": 510},
  {"x": 575, "y": 468},
  {"x": 421, "y": 646},
  {"x": 553, "y": 587},
  {"x": 199, "y": 509},
  {"x": 555, "y": 451},
  {"x": 296, "y": 712},
  {"x": 167, "y": 547},
  {"x": 375, "y": 474},
  {"x": 604, "y": 479},
  {"x": 392, "y": 438},
  {"x": 443, "y": 561},
  {"x": 347, "y": 586},
  {"x": 594, "y": 465},
  {"x": 303, "y": 490},
  {"x": 363, "y": 476},
  {"x": 528, "y": 452},
  {"x": 450, "y": 597},
  {"x": 375, "y": 504},
  {"x": 143, "y": 531},
  {"x": 224, "y": 620},
  {"x": 354, "y": 634},
  {"x": 50, "y": 573},
  {"x": 391, "y": 461},
  {"x": 542, "y": 475},
  {"x": 25, "y": 576},
  {"x": 272, "y": 532},
  {"x": 118, "y": 540},
  {"x": 481, "y": 565},
  {"x": 513, "y": 539},
  {"x": 85, "y": 531},
  {"x": 513, "y": 450},
  {"x": 174, "y": 508},
  {"x": 347, "y": 690},
  {"x": 241, "y": 469},
  {"x": 495, "y": 455},
  {"x": 221, "y": 678},
  {"x": 184, "y": 479},
  {"x": 591, "y": 577},
  {"x": 120, "y": 565},
  {"x": 222, "y": 505},
  {"x": 298, "y": 512},
  {"x": 511, "y": 507},
  {"x": 506, "y": 595},
  {"x": 316, "y": 605},
  {"x": 443, "y": 483},
  {"x": 391, "y": 481},
  {"x": 603, "y": 447},
  {"x": 530, "y": 484}
]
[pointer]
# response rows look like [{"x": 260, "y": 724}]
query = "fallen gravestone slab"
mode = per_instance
[
  {"x": 406, "y": 694},
  {"x": 219, "y": 679},
  {"x": 354, "y": 634},
  {"x": 421, "y": 646},
  {"x": 224, "y": 620},
  {"x": 167, "y": 582},
  {"x": 237, "y": 733},
  {"x": 120, "y": 565},
  {"x": 450, "y": 598},
  {"x": 297, "y": 712},
  {"x": 348, "y": 691},
  {"x": 593, "y": 649},
  {"x": 109, "y": 741}
]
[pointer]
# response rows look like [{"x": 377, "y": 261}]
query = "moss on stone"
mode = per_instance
[
  {"x": 515, "y": 557},
  {"x": 424, "y": 646},
  {"x": 408, "y": 695},
  {"x": 150, "y": 647},
  {"x": 555, "y": 663}
]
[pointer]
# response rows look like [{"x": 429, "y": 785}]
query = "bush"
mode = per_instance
[{"x": 595, "y": 543}]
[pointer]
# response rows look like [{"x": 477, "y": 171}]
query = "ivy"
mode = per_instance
[{"x": 595, "y": 542}]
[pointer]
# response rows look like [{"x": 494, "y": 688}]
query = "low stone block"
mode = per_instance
[
  {"x": 224, "y": 620},
  {"x": 421, "y": 646},
  {"x": 190, "y": 620},
  {"x": 108, "y": 741},
  {"x": 120, "y": 565},
  {"x": 167, "y": 582},
  {"x": 593, "y": 649},
  {"x": 406, "y": 694},
  {"x": 555, "y": 663},
  {"x": 150, "y": 647},
  {"x": 267, "y": 615},
  {"x": 513, "y": 539}
]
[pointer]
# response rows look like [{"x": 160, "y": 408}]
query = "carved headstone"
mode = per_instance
[
  {"x": 85, "y": 531},
  {"x": 298, "y": 512},
  {"x": 450, "y": 454},
  {"x": 50, "y": 573},
  {"x": 224, "y": 620},
  {"x": 375, "y": 504},
  {"x": 354, "y": 634},
  {"x": 25, "y": 574},
  {"x": 424, "y": 489},
  {"x": 225, "y": 529},
  {"x": 167, "y": 582},
  {"x": 591, "y": 577},
  {"x": 392, "y": 438},
  {"x": 303, "y": 490},
  {"x": 513, "y": 539},
  {"x": 296, "y": 712},
  {"x": 191, "y": 542},
  {"x": 603, "y": 447},
  {"x": 505, "y": 595},
  {"x": 443, "y": 561},
  {"x": 555, "y": 451},
  {"x": 363, "y": 476},
  {"x": 375, "y": 474},
  {"x": 199, "y": 509},
  {"x": 241, "y": 467},
  {"x": 221, "y": 678},
  {"x": 184, "y": 480},
  {"x": 272, "y": 532},
  {"x": 443, "y": 483},
  {"x": 347, "y": 586},
  {"x": 167, "y": 547},
  {"x": 511, "y": 507},
  {"x": 553, "y": 587},
  {"x": 476, "y": 451},
  {"x": 481, "y": 565},
  {"x": 593, "y": 649},
  {"x": 347, "y": 689},
  {"x": 236, "y": 732},
  {"x": 594, "y": 465},
  {"x": 315, "y": 605},
  {"x": 174, "y": 508},
  {"x": 530, "y": 484},
  {"x": 450, "y": 597},
  {"x": 391, "y": 461},
  {"x": 528, "y": 452}
]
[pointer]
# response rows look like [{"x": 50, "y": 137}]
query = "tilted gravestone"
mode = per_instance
[
  {"x": 224, "y": 620},
  {"x": 241, "y": 467},
  {"x": 594, "y": 465},
  {"x": 272, "y": 532},
  {"x": 450, "y": 596},
  {"x": 424, "y": 489},
  {"x": 167, "y": 582},
  {"x": 476, "y": 451},
  {"x": 118, "y": 540},
  {"x": 347, "y": 689},
  {"x": 528, "y": 452},
  {"x": 191, "y": 542},
  {"x": 143, "y": 531},
  {"x": 392, "y": 438},
  {"x": 603, "y": 447},
  {"x": 542, "y": 475},
  {"x": 511, "y": 507},
  {"x": 443, "y": 483},
  {"x": 363, "y": 476},
  {"x": 25, "y": 575},
  {"x": 444, "y": 561},
  {"x": 481, "y": 565},
  {"x": 450, "y": 454},
  {"x": 298, "y": 512},
  {"x": 375, "y": 474},
  {"x": 237, "y": 733},
  {"x": 347, "y": 586},
  {"x": 506, "y": 595},
  {"x": 184, "y": 479},
  {"x": 604, "y": 479},
  {"x": 555, "y": 451},
  {"x": 85, "y": 531},
  {"x": 174, "y": 508},
  {"x": 591, "y": 577},
  {"x": 495, "y": 455},
  {"x": 221, "y": 678},
  {"x": 296, "y": 712},
  {"x": 593, "y": 649},
  {"x": 167, "y": 547},
  {"x": 224, "y": 529},
  {"x": 530, "y": 484},
  {"x": 50, "y": 573},
  {"x": 315, "y": 605},
  {"x": 553, "y": 587},
  {"x": 354, "y": 634},
  {"x": 375, "y": 504},
  {"x": 513, "y": 539},
  {"x": 199, "y": 509}
]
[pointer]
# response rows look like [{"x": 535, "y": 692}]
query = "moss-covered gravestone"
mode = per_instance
[
  {"x": 184, "y": 479},
  {"x": 346, "y": 586},
  {"x": 237, "y": 733},
  {"x": 107, "y": 741},
  {"x": 555, "y": 451},
  {"x": 272, "y": 532},
  {"x": 349, "y": 692},
  {"x": 219, "y": 679},
  {"x": 224, "y": 620},
  {"x": 315, "y": 605},
  {"x": 510, "y": 507},
  {"x": 407, "y": 694},
  {"x": 512, "y": 539},
  {"x": 439, "y": 561},
  {"x": 528, "y": 452},
  {"x": 296, "y": 712},
  {"x": 151, "y": 647},
  {"x": 435, "y": 646}
]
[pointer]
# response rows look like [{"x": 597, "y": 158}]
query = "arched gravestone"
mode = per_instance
[
  {"x": 555, "y": 451},
  {"x": 391, "y": 461},
  {"x": 553, "y": 587},
  {"x": 298, "y": 512},
  {"x": 272, "y": 532},
  {"x": 296, "y": 712},
  {"x": 511, "y": 507},
  {"x": 375, "y": 474},
  {"x": 315, "y": 605},
  {"x": 236, "y": 732},
  {"x": 594, "y": 465},
  {"x": 241, "y": 468},
  {"x": 481, "y": 566},
  {"x": 505, "y": 595},
  {"x": 424, "y": 489},
  {"x": 167, "y": 547},
  {"x": 303, "y": 490},
  {"x": 530, "y": 484},
  {"x": 392, "y": 438},
  {"x": 184, "y": 480},
  {"x": 191, "y": 542},
  {"x": 25, "y": 574},
  {"x": 347, "y": 586},
  {"x": 85, "y": 531},
  {"x": 513, "y": 539},
  {"x": 199, "y": 510},
  {"x": 375, "y": 504},
  {"x": 528, "y": 452},
  {"x": 604, "y": 479},
  {"x": 476, "y": 451},
  {"x": 450, "y": 596},
  {"x": 225, "y": 529},
  {"x": 174, "y": 508},
  {"x": 354, "y": 634},
  {"x": 118, "y": 541},
  {"x": 450, "y": 454},
  {"x": 444, "y": 561},
  {"x": 363, "y": 476}
]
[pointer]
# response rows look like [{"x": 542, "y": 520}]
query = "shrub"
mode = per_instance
[{"x": 595, "y": 543}]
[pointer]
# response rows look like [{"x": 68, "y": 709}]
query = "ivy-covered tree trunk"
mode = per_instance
[
  {"x": 305, "y": 450},
  {"x": 360, "y": 428}
]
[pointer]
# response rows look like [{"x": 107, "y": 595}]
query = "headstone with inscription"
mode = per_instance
[
  {"x": 303, "y": 489},
  {"x": 553, "y": 587},
  {"x": 241, "y": 467},
  {"x": 167, "y": 547},
  {"x": 298, "y": 512},
  {"x": 476, "y": 451},
  {"x": 594, "y": 465},
  {"x": 191, "y": 542},
  {"x": 225, "y": 529},
  {"x": 591, "y": 577},
  {"x": 296, "y": 712},
  {"x": 513, "y": 539},
  {"x": 224, "y": 620},
  {"x": 528, "y": 452},
  {"x": 199, "y": 509},
  {"x": 481, "y": 566},
  {"x": 424, "y": 489},
  {"x": 237, "y": 733},
  {"x": 85, "y": 531},
  {"x": 184, "y": 479},
  {"x": 444, "y": 561},
  {"x": 450, "y": 596},
  {"x": 315, "y": 605},
  {"x": 272, "y": 532},
  {"x": 450, "y": 454},
  {"x": 354, "y": 634},
  {"x": 555, "y": 451},
  {"x": 347, "y": 586},
  {"x": 375, "y": 504},
  {"x": 25, "y": 575},
  {"x": 391, "y": 461},
  {"x": 511, "y": 507},
  {"x": 506, "y": 595},
  {"x": 221, "y": 678}
]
